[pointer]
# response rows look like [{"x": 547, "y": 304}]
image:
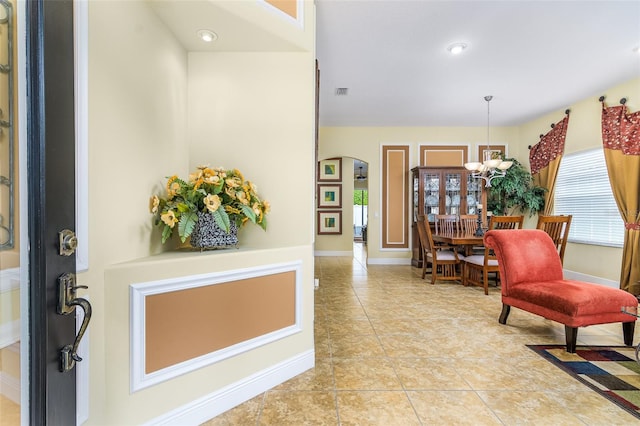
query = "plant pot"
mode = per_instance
[{"x": 208, "y": 235}]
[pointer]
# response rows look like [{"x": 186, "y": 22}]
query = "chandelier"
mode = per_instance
[{"x": 492, "y": 165}]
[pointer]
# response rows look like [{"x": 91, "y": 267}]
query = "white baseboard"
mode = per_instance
[
  {"x": 572, "y": 275},
  {"x": 333, "y": 253},
  {"x": 216, "y": 403},
  {"x": 10, "y": 387}
]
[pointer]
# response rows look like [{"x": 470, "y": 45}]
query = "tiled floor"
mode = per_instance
[{"x": 392, "y": 349}]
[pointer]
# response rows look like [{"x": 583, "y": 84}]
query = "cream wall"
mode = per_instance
[
  {"x": 254, "y": 112},
  {"x": 365, "y": 144},
  {"x": 153, "y": 112},
  {"x": 137, "y": 128}
]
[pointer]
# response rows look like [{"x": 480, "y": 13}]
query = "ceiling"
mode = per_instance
[{"x": 534, "y": 57}]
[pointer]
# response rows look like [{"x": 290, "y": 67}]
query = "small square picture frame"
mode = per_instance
[
  {"x": 491, "y": 152},
  {"x": 329, "y": 222},
  {"x": 329, "y": 196},
  {"x": 330, "y": 170}
]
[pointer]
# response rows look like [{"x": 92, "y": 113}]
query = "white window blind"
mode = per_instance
[{"x": 583, "y": 190}]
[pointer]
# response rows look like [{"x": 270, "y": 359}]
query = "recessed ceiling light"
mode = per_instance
[
  {"x": 207, "y": 35},
  {"x": 636, "y": 49},
  {"x": 456, "y": 48}
]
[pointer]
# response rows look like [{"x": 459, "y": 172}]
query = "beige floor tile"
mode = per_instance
[
  {"x": 429, "y": 374},
  {"x": 354, "y": 327},
  {"x": 409, "y": 346},
  {"x": 383, "y": 408},
  {"x": 348, "y": 346},
  {"x": 298, "y": 408},
  {"x": 526, "y": 407},
  {"x": 452, "y": 408},
  {"x": 365, "y": 374}
]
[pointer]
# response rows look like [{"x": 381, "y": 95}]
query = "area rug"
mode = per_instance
[{"x": 612, "y": 371}]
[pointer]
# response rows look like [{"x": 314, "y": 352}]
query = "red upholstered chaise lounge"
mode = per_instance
[{"x": 532, "y": 280}]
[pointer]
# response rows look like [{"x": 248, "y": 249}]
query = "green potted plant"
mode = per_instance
[
  {"x": 210, "y": 204},
  {"x": 515, "y": 191}
]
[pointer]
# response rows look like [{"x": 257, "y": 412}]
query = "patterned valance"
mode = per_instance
[
  {"x": 621, "y": 131},
  {"x": 550, "y": 146}
]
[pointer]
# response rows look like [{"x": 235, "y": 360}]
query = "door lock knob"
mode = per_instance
[{"x": 68, "y": 242}]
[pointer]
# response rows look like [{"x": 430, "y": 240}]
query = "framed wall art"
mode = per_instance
[
  {"x": 330, "y": 170},
  {"x": 330, "y": 196},
  {"x": 329, "y": 222}
]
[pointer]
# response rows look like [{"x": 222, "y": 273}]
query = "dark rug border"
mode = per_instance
[{"x": 538, "y": 350}]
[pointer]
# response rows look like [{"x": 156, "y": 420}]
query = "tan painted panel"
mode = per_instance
[
  {"x": 185, "y": 324},
  {"x": 443, "y": 156},
  {"x": 290, "y": 7},
  {"x": 395, "y": 168}
]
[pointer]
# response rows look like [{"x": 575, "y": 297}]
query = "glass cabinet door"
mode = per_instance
[
  {"x": 473, "y": 195},
  {"x": 453, "y": 183},
  {"x": 431, "y": 195},
  {"x": 416, "y": 195}
]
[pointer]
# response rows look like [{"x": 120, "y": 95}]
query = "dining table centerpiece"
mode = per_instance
[{"x": 209, "y": 207}]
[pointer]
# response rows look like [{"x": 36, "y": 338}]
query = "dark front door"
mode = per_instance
[{"x": 51, "y": 206}]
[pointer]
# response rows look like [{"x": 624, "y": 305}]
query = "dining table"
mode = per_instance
[
  {"x": 466, "y": 240},
  {"x": 458, "y": 239}
]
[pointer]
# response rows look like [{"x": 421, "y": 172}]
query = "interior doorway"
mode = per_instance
[{"x": 360, "y": 200}]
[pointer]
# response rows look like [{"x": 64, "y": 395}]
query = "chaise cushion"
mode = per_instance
[{"x": 574, "y": 298}]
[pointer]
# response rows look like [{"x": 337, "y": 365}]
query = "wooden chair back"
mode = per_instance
[
  {"x": 447, "y": 224},
  {"x": 468, "y": 223},
  {"x": 444, "y": 264},
  {"x": 558, "y": 229},
  {"x": 424, "y": 234},
  {"x": 506, "y": 222}
]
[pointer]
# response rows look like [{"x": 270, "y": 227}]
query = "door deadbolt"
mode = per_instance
[{"x": 68, "y": 242}]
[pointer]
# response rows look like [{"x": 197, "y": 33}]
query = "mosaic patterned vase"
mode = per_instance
[{"x": 207, "y": 235}]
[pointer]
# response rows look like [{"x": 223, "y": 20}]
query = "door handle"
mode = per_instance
[{"x": 67, "y": 302}]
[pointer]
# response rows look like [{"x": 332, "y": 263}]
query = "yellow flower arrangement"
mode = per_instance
[{"x": 225, "y": 194}]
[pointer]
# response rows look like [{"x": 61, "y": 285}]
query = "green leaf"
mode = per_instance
[
  {"x": 248, "y": 211},
  {"x": 186, "y": 224},
  {"x": 222, "y": 219},
  {"x": 166, "y": 233}
]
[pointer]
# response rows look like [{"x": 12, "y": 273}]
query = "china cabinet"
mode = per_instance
[{"x": 440, "y": 191}]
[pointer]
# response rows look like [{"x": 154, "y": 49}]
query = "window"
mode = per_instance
[{"x": 583, "y": 190}]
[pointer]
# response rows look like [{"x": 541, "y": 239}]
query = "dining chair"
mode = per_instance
[
  {"x": 444, "y": 260},
  {"x": 558, "y": 229},
  {"x": 468, "y": 223},
  {"x": 477, "y": 267},
  {"x": 447, "y": 224},
  {"x": 506, "y": 222}
]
